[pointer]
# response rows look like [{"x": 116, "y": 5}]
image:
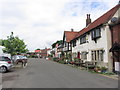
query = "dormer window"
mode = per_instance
[
  {"x": 96, "y": 33},
  {"x": 83, "y": 39}
]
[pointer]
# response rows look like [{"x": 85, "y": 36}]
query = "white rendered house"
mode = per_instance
[{"x": 94, "y": 42}]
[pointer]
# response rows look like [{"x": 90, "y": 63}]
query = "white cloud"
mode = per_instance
[{"x": 42, "y": 22}]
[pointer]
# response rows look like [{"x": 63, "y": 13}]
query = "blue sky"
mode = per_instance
[{"x": 41, "y": 22}]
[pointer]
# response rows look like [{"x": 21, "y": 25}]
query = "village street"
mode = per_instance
[{"x": 41, "y": 73}]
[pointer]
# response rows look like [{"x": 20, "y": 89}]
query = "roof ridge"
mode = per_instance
[
  {"x": 106, "y": 12},
  {"x": 71, "y": 31},
  {"x": 101, "y": 19}
]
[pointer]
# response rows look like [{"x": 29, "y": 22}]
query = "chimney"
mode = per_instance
[
  {"x": 72, "y": 30},
  {"x": 88, "y": 20}
]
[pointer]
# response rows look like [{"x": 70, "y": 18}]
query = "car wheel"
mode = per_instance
[
  {"x": 24, "y": 65},
  {"x": 3, "y": 69}
]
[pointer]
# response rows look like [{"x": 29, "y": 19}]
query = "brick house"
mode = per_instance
[
  {"x": 44, "y": 52},
  {"x": 115, "y": 37}
]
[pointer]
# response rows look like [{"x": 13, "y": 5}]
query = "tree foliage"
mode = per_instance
[
  {"x": 14, "y": 45},
  {"x": 1, "y": 42},
  {"x": 57, "y": 42}
]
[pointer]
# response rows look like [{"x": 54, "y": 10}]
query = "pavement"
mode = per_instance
[
  {"x": 41, "y": 73},
  {"x": 115, "y": 76},
  {"x": 110, "y": 76}
]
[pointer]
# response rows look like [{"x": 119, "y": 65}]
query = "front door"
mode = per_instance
[{"x": 78, "y": 55}]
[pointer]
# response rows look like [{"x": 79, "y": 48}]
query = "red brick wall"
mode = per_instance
[{"x": 116, "y": 33}]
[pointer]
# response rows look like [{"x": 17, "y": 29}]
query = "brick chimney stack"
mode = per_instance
[{"x": 88, "y": 20}]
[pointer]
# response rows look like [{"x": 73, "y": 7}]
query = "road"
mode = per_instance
[{"x": 41, "y": 73}]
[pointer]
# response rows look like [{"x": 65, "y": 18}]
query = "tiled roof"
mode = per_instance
[
  {"x": 37, "y": 50},
  {"x": 101, "y": 20},
  {"x": 70, "y": 35}
]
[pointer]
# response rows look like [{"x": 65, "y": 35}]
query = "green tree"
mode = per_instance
[
  {"x": 38, "y": 49},
  {"x": 1, "y": 42},
  {"x": 57, "y": 42},
  {"x": 14, "y": 45}
]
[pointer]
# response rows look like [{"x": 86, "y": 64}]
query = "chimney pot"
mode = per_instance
[
  {"x": 88, "y": 20},
  {"x": 72, "y": 29},
  {"x": 87, "y": 16}
]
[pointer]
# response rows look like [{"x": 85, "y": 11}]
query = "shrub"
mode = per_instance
[
  {"x": 33, "y": 56},
  {"x": 55, "y": 59},
  {"x": 77, "y": 59},
  {"x": 103, "y": 69},
  {"x": 62, "y": 61}
]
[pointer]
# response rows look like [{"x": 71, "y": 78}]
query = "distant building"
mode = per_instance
[
  {"x": 67, "y": 37},
  {"x": 1, "y": 51},
  {"x": 43, "y": 53},
  {"x": 37, "y": 52},
  {"x": 57, "y": 49},
  {"x": 60, "y": 51},
  {"x": 4, "y": 54}
]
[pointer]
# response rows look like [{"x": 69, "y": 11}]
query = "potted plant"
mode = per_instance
[
  {"x": 97, "y": 69},
  {"x": 103, "y": 69}
]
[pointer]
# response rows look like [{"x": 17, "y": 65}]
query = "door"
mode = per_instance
[{"x": 78, "y": 56}]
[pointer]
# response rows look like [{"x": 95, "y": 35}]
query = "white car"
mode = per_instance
[{"x": 5, "y": 64}]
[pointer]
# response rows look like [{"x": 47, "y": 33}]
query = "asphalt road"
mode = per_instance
[{"x": 41, "y": 73}]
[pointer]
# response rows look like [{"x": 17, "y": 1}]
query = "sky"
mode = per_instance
[{"x": 40, "y": 23}]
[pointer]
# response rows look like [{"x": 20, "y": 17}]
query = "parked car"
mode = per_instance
[
  {"x": 24, "y": 57},
  {"x": 20, "y": 59},
  {"x": 5, "y": 64}
]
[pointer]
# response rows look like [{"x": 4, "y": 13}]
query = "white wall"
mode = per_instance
[
  {"x": 49, "y": 52},
  {"x": 102, "y": 43}
]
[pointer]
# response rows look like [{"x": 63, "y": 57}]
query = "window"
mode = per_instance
[
  {"x": 65, "y": 44},
  {"x": 84, "y": 55},
  {"x": 96, "y": 33},
  {"x": 74, "y": 55},
  {"x": 101, "y": 55},
  {"x": 97, "y": 55},
  {"x": 83, "y": 39},
  {"x": 74, "y": 43},
  {"x": 69, "y": 46},
  {"x": 4, "y": 59}
]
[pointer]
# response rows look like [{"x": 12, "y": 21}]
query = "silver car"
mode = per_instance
[{"x": 5, "y": 64}]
